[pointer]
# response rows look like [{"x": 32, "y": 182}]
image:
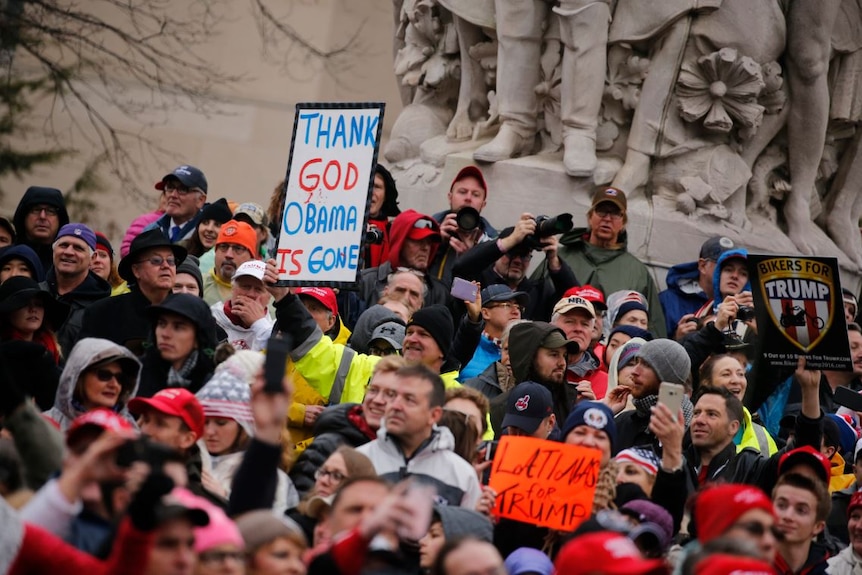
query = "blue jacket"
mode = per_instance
[
  {"x": 487, "y": 352},
  {"x": 683, "y": 294}
]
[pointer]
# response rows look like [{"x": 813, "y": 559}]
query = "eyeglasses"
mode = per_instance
[
  {"x": 105, "y": 375},
  {"x": 521, "y": 256},
  {"x": 336, "y": 476},
  {"x": 221, "y": 556},
  {"x": 49, "y": 210},
  {"x": 423, "y": 224},
  {"x": 603, "y": 213},
  {"x": 237, "y": 249},
  {"x": 757, "y": 529},
  {"x": 382, "y": 351},
  {"x": 508, "y": 305},
  {"x": 182, "y": 190},
  {"x": 157, "y": 261}
]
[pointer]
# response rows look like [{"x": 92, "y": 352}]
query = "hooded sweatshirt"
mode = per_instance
[
  {"x": 375, "y": 254},
  {"x": 373, "y": 280},
  {"x": 711, "y": 307},
  {"x": 87, "y": 352},
  {"x": 683, "y": 294},
  {"x": 33, "y": 196},
  {"x": 26, "y": 255}
]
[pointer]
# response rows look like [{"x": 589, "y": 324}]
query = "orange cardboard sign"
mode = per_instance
[{"x": 545, "y": 483}]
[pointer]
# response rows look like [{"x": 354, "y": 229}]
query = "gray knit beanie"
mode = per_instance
[{"x": 668, "y": 359}]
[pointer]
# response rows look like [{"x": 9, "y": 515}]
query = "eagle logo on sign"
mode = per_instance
[{"x": 800, "y": 300}]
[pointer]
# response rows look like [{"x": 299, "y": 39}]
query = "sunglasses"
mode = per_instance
[
  {"x": 105, "y": 375},
  {"x": 423, "y": 225}
]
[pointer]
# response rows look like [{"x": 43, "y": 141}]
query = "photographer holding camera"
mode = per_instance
[
  {"x": 462, "y": 225},
  {"x": 506, "y": 260}
]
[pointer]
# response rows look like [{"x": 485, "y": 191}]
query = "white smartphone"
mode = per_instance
[{"x": 670, "y": 395}]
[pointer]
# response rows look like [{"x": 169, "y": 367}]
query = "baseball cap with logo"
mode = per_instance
[
  {"x": 324, "y": 295},
  {"x": 592, "y": 294},
  {"x": 391, "y": 332},
  {"x": 556, "y": 339},
  {"x": 174, "y": 401},
  {"x": 714, "y": 247},
  {"x": 605, "y": 552},
  {"x": 239, "y": 233},
  {"x": 573, "y": 302},
  {"x": 80, "y": 231},
  {"x": 610, "y": 195},
  {"x": 252, "y": 268},
  {"x": 806, "y": 455},
  {"x": 528, "y": 404},
  {"x": 189, "y": 176},
  {"x": 253, "y": 213},
  {"x": 101, "y": 418}
]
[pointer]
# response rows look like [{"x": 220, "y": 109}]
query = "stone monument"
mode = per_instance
[{"x": 715, "y": 116}]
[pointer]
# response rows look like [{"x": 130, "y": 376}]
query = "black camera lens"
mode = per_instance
[
  {"x": 745, "y": 313},
  {"x": 468, "y": 219}
]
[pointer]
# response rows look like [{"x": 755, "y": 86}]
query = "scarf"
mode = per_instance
[
  {"x": 43, "y": 337},
  {"x": 234, "y": 319},
  {"x": 180, "y": 378},
  {"x": 644, "y": 405}
]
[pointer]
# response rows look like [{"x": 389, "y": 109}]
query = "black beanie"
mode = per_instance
[
  {"x": 218, "y": 211},
  {"x": 436, "y": 320}
]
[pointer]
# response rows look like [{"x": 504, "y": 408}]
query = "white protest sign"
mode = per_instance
[{"x": 330, "y": 176}]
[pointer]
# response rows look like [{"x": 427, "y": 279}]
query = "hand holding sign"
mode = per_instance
[{"x": 545, "y": 483}]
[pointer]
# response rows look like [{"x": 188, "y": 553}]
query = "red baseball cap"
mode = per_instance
[
  {"x": 471, "y": 172},
  {"x": 324, "y": 295},
  {"x": 721, "y": 564},
  {"x": 424, "y": 227},
  {"x": 809, "y": 456},
  {"x": 174, "y": 401},
  {"x": 855, "y": 503},
  {"x": 605, "y": 552},
  {"x": 589, "y": 293},
  {"x": 101, "y": 418},
  {"x": 718, "y": 507}
]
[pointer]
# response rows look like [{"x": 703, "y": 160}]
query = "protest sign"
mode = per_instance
[
  {"x": 545, "y": 483},
  {"x": 327, "y": 191},
  {"x": 799, "y": 311}
]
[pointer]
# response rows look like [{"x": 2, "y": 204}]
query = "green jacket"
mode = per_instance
[{"x": 610, "y": 271}]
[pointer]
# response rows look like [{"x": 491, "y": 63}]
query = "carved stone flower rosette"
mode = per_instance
[{"x": 722, "y": 88}]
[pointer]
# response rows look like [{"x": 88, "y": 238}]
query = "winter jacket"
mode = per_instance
[
  {"x": 847, "y": 562},
  {"x": 375, "y": 254},
  {"x": 87, "y": 352},
  {"x": 333, "y": 370},
  {"x": 33, "y": 196},
  {"x": 815, "y": 564},
  {"x": 836, "y": 523},
  {"x": 633, "y": 424},
  {"x": 215, "y": 289},
  {"x": 446, "y": 258},
  {"x": 487, "y": 353},
  {"x": 434, "y": 462},
  {"x": 224, "y": 468},
  {"x": 30, "y": 550},
  {"x": 372, "y": 281},
  {"x": 609, "y": 270},
  {"x": 493, "y": 381},
  {"x": 754, "y": 436},
  {"x": 253, "y": 337},
  {"x": 304, "y": 394},
  {"x": 100, "y": 320},
  {"x": 477, "y": 264},
  {"x": 683, "y": 294},
  {"x": 838, "y": 478},
  {"x": 589, "y": 368},
  {"x": 91, "y": 290},
  {"x": 338, "y": 425},
  {"x": 138, "y": 225}
]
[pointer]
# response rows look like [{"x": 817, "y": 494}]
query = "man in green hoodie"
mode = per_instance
[{"x": 598, "y": 255}]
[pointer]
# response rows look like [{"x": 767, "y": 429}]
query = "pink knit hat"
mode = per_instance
[{"x": 220, "y": 531}]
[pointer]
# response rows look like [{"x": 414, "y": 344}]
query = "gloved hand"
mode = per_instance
[{"x": 147, "y": 501}]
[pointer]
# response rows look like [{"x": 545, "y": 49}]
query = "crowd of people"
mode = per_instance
[{"x": 145, "y": 432}]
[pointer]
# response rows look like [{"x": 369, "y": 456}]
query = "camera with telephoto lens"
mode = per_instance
[
  {"x": 468, "y": 219},
  {"x": 547, "y": 226},
  {"x": 745, "y": 313},
  {"x": 374, "y": 235}
]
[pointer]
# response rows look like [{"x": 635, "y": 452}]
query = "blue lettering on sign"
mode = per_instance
[
  {"x": 326, "y": 259},
  {"x": 318, "y": 129},
  {"x": 311, "y": 218}
]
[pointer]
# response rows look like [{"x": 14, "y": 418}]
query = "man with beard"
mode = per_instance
[
  {"x": 538, "y": 352},
  {"x": 149, "y": 268},
  {"x": 236, "y": 244},
  {"x": 657, "y": 361},
  {"x": 506, "y": 260}
]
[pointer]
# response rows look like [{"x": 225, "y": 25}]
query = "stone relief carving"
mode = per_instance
[{"x": 691, "y": 102}]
